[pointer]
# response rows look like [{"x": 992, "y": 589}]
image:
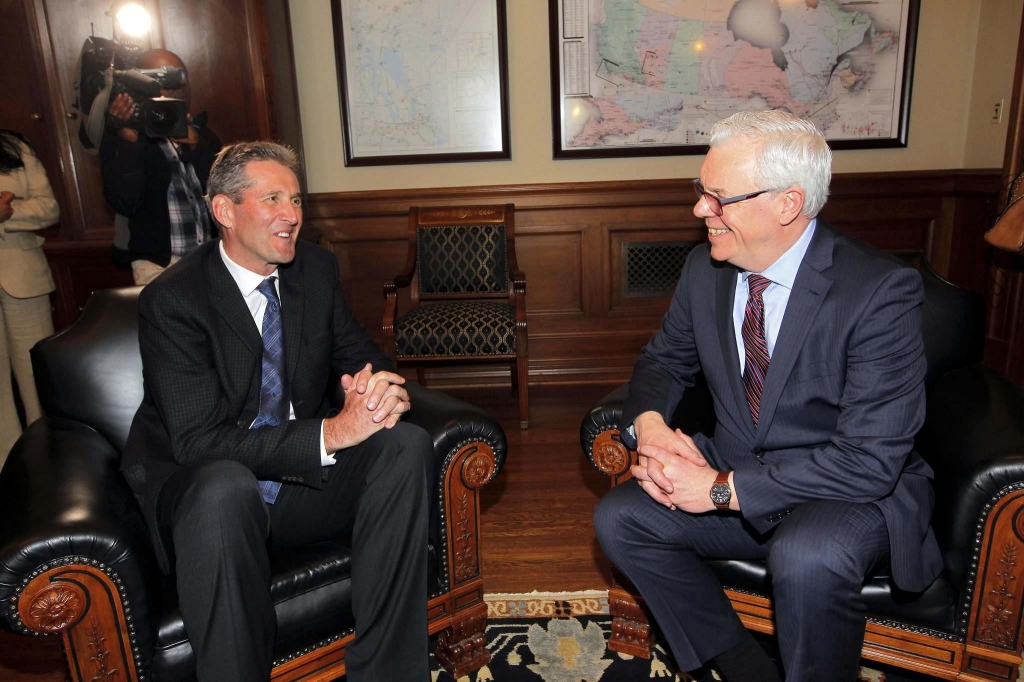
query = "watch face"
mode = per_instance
[{"x": 721, "y": 493}]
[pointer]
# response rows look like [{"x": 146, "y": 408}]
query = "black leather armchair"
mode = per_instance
[
  {"x": 76, "y": 559},
  {"x": 968, "y": 624}
]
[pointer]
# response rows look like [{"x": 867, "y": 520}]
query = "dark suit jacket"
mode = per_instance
[
  {"x": 202, "y": 364},
  {"x": 843, "y": 398}
]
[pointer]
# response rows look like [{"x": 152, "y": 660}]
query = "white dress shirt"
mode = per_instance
[
  {"x": 782, "y": 273},
  {"x": 247, "y": 281}
]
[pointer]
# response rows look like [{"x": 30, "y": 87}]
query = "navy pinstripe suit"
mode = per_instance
[{"x": 827, "y": 480}]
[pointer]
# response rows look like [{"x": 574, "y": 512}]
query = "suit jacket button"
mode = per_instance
[
  {"x": 757, "y": 452},
  {"x": 760, "y": 462},
  {"x": 241, "y": 424}
]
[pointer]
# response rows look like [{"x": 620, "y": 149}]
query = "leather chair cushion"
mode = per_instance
[
  {"x": 453, "y": 328},
  {"x": 934, "y": 608},
  {"x": 312, "y": 593}
]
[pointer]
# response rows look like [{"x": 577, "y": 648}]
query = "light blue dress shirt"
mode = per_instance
[{"x": 782, "y": 273}]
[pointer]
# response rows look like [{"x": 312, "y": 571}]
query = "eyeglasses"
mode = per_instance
[{"x": 715, "y": 204}]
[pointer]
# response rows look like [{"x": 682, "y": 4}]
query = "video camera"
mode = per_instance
[
  {"x": 154, "y": 115},
  {"x": 107, "y": 70}
]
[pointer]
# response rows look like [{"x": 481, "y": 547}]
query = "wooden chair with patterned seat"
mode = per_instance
[{"x": 468, "y": 295}]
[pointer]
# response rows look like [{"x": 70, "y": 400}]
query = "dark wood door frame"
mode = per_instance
[{"x": 1004, "y": 346}]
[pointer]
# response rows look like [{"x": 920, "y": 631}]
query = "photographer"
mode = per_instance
[{"x": 158, "y": 183}]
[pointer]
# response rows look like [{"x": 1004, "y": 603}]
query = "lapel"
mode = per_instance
[
  {"x": 292, "y": 301},
  {"x": 725, "y": 295},
  {"x": 228, "y": 301},
  {"x": 808, "y": 293}
]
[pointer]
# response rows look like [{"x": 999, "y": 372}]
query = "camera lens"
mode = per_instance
[
  {"x": 161, "y": 119},
  {"x": 164, "y": 117}
]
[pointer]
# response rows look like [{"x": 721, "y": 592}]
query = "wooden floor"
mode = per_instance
[{"x": 536, "y": 529}]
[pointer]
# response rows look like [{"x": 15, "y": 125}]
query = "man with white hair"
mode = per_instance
[{"x": 811, "y": 345}]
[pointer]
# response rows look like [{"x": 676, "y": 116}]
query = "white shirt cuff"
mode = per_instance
[{"x": 325, "y": 459}]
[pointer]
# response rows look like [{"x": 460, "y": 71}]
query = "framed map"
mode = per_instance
[
  {"x": 422, "y": 81},
  {"x": 650, "y": 77}
]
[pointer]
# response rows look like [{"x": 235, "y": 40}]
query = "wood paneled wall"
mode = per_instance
[{"x": 569, "y": 238}]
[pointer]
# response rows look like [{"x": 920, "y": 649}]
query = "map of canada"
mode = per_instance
[
  {"x": 421, "y": 76},
  {"x": 655, "y": 72}
]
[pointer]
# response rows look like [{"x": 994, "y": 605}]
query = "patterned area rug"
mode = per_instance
[{"x": 562, "y": 637}]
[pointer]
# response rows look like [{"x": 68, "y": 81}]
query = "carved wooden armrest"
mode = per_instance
[
  {"x": 76, "y": 560},
  {"x": 470, "y": 449},
  {"x": 600, "y": 439},
  {"x": 995, "y": 586}
]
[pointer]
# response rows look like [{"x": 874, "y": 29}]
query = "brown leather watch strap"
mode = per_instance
[{"x": 723, "y": 479}]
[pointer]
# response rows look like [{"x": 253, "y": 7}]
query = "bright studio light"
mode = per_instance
[{"x": 133, "y": 20}]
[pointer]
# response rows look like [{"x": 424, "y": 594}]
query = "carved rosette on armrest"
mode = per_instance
[
  {"x": 85, "y": 603},
  {"x": 600, "y": 439}
]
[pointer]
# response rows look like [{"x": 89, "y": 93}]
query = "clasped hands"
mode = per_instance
[
  {"x": 671, "y": 469},
  {"x": 373, "y": 401}
]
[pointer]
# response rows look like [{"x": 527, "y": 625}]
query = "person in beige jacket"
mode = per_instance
[{"x": 26, "y": 205}]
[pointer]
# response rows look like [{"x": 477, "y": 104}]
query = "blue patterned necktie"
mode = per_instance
[
  {"x": 274, "y": 384},
  {"x": 755, "y": 347}
]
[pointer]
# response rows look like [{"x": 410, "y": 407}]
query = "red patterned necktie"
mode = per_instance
[{"x": 755, "y": 348}]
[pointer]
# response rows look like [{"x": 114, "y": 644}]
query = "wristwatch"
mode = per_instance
[{"x": 721, "y": 493}]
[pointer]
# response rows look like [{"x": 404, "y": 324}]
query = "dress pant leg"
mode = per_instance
[
  {"x": 818, "y": 558},
  {"x": 377, "y": 497},
  {"x": 10, "y": 425},
  {"x": 660, "y": 551},
  {"x": 28, "y": 321},
  {"x": 217, "y": 524}
]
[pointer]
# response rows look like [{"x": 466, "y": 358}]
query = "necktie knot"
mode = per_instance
[
  {"x": 268, "y": 289},
  {"x": 756, "y": 284}
]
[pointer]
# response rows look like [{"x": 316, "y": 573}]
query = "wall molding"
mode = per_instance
[
  {"x": 568, "y": 195},
  {"x": 566, "y": 243}
]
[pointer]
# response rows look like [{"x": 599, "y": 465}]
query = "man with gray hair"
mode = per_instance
[
  {"x": 234, "y": 453},
  {"x": 810, "y": 343}
]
